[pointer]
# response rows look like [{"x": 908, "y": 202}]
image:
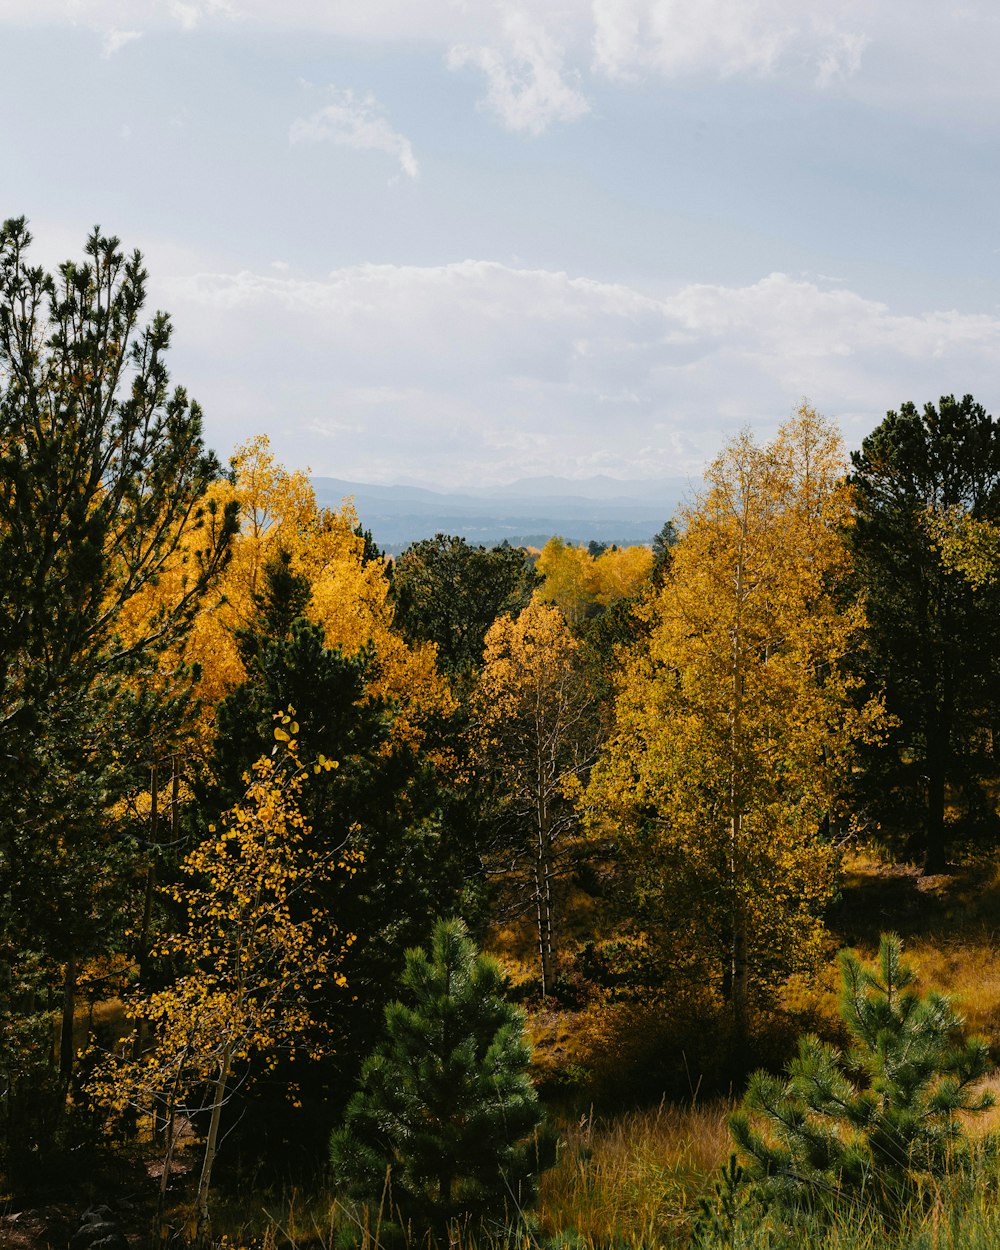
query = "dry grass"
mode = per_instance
[
  {"x": 634, "y": 1180},
  {"x": 968, "y": 971},
  {"x": 950, "y": 925}
]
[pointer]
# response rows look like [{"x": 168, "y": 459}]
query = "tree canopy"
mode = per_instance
[
  {"x": 735, "y": 727},
  {"x": 106, "y": 503},
  {"x": 932, "y": 633}
]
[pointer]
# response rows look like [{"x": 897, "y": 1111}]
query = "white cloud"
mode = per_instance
[
  {"x": 477, "y": 371},
  {"x": 116, "y": 39},
  {"x": 528, "y": 90},
  {"x": 939, "y": 61},
  {"x": 191, "y": 13},
  {"x": 672, "y": 37},
  {"x": 841, "y": 59},
  {"x": 727, "y": 38},
  {"x": 353, "y": 121}
]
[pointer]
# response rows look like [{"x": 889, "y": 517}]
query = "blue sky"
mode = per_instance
[{"x": 455, "y": 242}]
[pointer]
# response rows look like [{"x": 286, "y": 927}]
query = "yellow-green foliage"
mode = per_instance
[
  {"x": 248, "y": 960},
  {"x": 968, "y": 544},
  {"x": 533, "y": 737},
  {"x": 577, "y": 582}
]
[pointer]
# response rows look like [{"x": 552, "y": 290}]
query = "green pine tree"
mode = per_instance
[
  {"x": 931, "y": 637},
  {"x": 104, "y": 477},
  {"x": 382, "y": 801},
  {"x": 865, "y": 1127},
  {"x": 449, "y": 592},
  {"x": 445, "y": 1113}
]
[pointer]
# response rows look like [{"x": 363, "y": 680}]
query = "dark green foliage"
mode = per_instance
[
  {"x": 103, "y": 473},
  {"x": 720, "y": 1216},
  {"x": 664, "y": 541},
  {"x": 383, "y": 800},
  {"x": 607, "y": 639},
  {"x": 449, "y": 593},
  {"x": 371, "y": 552},
  {"x": 932, "y": 638},
  {"x": 865, "y": 1127},
  {"x": 445, "y": 1106}
]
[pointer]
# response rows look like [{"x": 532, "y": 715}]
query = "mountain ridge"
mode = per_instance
[{"x": 615, "y": 511}]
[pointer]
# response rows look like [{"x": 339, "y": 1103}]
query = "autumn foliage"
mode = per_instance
[
  {"x": 248, "y": 763},
  {"x": 253, "y": 960},
  {"x": 736, "y": 723}
]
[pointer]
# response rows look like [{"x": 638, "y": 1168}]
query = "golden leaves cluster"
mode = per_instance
[
  {"x": 278, "y": 513},
  {"x": 575, "y": 580},
  {"x": 253, "y": 953}
]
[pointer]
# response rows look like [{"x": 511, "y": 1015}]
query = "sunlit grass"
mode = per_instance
[{"x": 635, "y": 1179}]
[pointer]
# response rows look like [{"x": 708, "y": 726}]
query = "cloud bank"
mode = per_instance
[{"x": 478, "y": 371}]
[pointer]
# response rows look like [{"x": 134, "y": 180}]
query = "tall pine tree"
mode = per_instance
[
  {"x": 932, "y": 635},
  {"x": 103, "y": 487}
]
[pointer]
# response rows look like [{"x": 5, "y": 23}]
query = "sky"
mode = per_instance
[{"x": 455, "y": 243}]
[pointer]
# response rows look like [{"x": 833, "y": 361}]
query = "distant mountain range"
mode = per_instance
[{"x": 526, "y": 512}]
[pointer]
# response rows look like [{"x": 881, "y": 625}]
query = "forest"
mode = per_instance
[{"x": 573, "y": 897}]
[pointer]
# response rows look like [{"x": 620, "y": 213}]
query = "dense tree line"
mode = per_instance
[{"x": 246, "y": 763}]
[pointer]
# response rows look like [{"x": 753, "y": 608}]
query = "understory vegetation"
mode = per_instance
[{"x": 579, "y": 897}]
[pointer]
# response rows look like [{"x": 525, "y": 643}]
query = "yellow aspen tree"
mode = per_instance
[
  {"x": 735, "y": 724},
  {"x": 253, "y": 957},
  {"x": 620, "y": 572},
  {"x": 534, "y": 735},
  {"x": 568, "y": 572}
]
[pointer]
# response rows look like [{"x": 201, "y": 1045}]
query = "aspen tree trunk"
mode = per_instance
[
  {"x": 543, "y": 920},
  {"x": 142, "y": 947},
  {"x": 168, "y": 1158},
  {"x": 741, "y": 979},
  {"x": 161, "y": 1195},
  {"x": 738, "y": 950},
  {"x": 211, "y": 1145},
  {"x": 543, "y": 874},
  {"x": 66, "y": 1030}
]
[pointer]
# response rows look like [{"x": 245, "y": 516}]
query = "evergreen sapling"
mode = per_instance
[
  {"x": 869, "y": 1126},
  {"x": 443, "y": 1121}
]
